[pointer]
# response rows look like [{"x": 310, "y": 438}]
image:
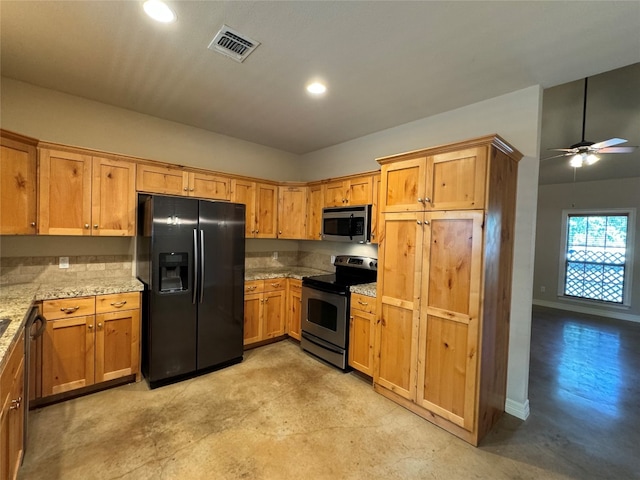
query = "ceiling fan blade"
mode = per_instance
[
  {"x": 607, "y": 143},
  {"x": 572, "y": 150},
  {"x": 617, "y": 150},
  {"x": 556, "y": 156}
]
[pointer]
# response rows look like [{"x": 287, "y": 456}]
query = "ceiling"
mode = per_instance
[{"x": 385, "y": 63}]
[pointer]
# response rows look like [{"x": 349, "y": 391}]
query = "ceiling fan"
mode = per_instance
[{"x": 586, "y": 153}]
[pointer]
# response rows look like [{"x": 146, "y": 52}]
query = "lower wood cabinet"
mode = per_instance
[
  {"x": 90, "y": 340},
  {"x": 294, "y": 307},
  {"x": 264, "y": 309},
  {"x": 362, "y": 322},
  {"x": 12, "y": 411}
]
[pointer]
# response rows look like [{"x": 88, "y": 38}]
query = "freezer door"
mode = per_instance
[
  {"x": 221, "y": 296},
  {"x": 170, "y": 324}
]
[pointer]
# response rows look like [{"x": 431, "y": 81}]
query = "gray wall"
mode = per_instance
[{"x": 552, "y": 200}]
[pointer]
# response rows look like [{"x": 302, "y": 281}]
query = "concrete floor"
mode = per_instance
[{"x": 282, "y": 415}]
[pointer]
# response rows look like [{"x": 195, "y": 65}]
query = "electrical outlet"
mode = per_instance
[
  {"x": 275, "y": 255},
  {"x": 63, "y": 262},
  {"x": 333, "y": 259},
  {"x": 542, "y": 289}
]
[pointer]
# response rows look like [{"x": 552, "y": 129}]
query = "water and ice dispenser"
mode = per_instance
[{"x": 174, "y": 271}]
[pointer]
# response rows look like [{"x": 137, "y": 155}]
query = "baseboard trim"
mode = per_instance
[
  {"x": 517, "y": 409},
  {"x": 572, "y": 307}
]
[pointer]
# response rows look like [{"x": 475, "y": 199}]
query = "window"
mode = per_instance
[{"x": 597, "y": 255}]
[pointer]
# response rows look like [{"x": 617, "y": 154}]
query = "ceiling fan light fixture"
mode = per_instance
[
  {"x": 159, "y": 11},
  {"x": 576, "y": 161},
  {"x": 591, "y": 159}
]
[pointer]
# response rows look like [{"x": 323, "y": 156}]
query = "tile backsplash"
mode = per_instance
[{"x": 82, "y": 267}]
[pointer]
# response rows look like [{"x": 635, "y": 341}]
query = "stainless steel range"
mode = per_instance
[{"x": 326, "y": 304}]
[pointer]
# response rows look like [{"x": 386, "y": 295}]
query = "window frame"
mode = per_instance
[{"x": 629, "y": 255}]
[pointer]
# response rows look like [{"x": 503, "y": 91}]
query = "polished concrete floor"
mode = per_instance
[{"x": 283, "y": 415}]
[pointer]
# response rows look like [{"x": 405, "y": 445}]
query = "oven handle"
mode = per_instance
[
  {"x": 351, "y": 227},
  {"x": 343, "y": 293},
  {"x": 322, "y": 343}
]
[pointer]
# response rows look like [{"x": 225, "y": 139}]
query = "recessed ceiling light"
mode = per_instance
[
  {"x": 159, "y": 11},
  {"x": 316, "y": 88}
]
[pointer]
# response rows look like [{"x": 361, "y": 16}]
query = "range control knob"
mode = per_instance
[{"x": 371, "y": 264}]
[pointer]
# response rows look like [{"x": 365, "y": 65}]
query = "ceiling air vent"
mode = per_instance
[{"x": 233, "y": 44}]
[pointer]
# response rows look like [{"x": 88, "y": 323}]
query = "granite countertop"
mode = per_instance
[
  {"x": 368, "y": 289},
  {"x": 16, "y": 300},
  {"x": 280, "y": 272}
]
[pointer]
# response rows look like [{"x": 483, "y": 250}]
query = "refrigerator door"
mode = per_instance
[
  {"x": 169, "y": 329},
  {"x": 221, "y": 296}
]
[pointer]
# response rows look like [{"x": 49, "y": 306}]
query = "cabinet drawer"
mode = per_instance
[
  {"x": 254, "y": 286},
  {"x": 295, "y": 285},
  {"x": 11, "y": 369},
  {"x": 363, "y": 303},
  {"x": 273, "y": 284},
  {"x": 117, "y": 301},
  {"x": 68, "y": 307}
]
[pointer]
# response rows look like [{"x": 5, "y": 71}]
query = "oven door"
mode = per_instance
[{"x": 324, "y": 315}]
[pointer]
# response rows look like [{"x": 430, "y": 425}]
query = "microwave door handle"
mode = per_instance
[{"x": 351, "y": 227}]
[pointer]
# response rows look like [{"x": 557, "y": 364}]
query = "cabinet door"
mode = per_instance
[
  {"x": 113, "y": 198},
  {"x": 403, "y": 186},
  {"x": 359, "y": 191},
  {"x": 12, "y": 427},
  {"x": 266, "y": 210},
  {"x": 245, "y": 192},
  {"x": 448, "y": 349},
  {"x": 117, "y": 345},
  {"x": 65, "y": 193},
  {"x": 294, "y": 308},
  {"x": 68, "y": 355},
  {"x": 273, "y": 314},
  {"x": 315, "y": 203},
  {"x": 361, "y": 340},
  {"x": 400, "y": 255},
  {"x": 164, "y": 180},
  {"x": 335, "y": 194},
  {"x": 292, "y": 204},
  {"x": 215, "y": 187},
  {"x": 252, "y": 318},
  {"x": 17, "y": 188},
  {"x": 375, "y": 208},
  {"x": 457, "y": 180}
]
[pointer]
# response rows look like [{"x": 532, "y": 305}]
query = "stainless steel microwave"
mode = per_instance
[{"x": 347, "y": 224}]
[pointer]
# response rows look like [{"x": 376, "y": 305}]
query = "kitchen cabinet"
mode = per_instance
[
  {"x": 264, "y": 309},
  {"x": 12, "y": 411},
  {"x": 261, "y": 201},
  {"x": 85, "y": 195},
  {"x": 167, "y": 180},
  {"x": 354, "y": 191},
  {"x": 90, "y": 340},
  {"x": 451, "y": 180},
  {"x": 444, "y": 281},
  {"x": 315, "y": 203},
  {"x": 292, "y": 205},
  {"x": 362, "y": 320},
  {"x": 294, "y": 307},
  {"x": 17, "y": 185}
]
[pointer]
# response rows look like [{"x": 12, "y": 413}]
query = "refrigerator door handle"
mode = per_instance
[
  {"x": 201, "y": 265},
  {"x": 195, "y": 265}
]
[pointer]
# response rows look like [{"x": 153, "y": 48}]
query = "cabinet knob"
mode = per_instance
[
  {"x": 90, "y": 326},
  {"x": 69, "y": 309},
  {"x": 192, "y": 189},
  {"x": 351, "y": 317},
  {"x": 186, "y": 189},
  {"x": 426, "y": 222},
  {"x": 279, "y": 232},
  {"x": 15, "y": 403},
  {"x": 419, "y": 222},
  {"x": 95, "y": 226},
  {"x": 266, "y": 300},
  {"x": 99, "y": 325},
  {"x": 257, "y": 231},
  {"x": 427, "y": 200},
  {"x": 419, "y": 199},
  {"x": 33, "y": 224},
  {"x": 373, "y": 235},
  {"x": 86, "y": 225}
]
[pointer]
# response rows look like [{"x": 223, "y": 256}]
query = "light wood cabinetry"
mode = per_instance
[
  {"x": 12, "y": 411},
  {"x": 261, "y": 201},
  {"x": 362, "y": 320},
  {"x": 294, "y": 307},
  {"x": 375, "y": 208},
  {"x": 85, "y": 195},
  {"x": 353, "y": 191},
  {"x": 444, "y": 282},
  {"x": 264, "y": 309},
  {"x": 209, "y": 186},
  {"x": 315, "y": 203},
  {"x": 17, "y": 185},
  {"x": 90, "y": 340},
  {"x": 169, "y": 180},
  {"x": 292, "y": 206}
]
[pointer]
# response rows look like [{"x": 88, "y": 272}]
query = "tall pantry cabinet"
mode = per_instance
[{"x": 444, "y": 282}]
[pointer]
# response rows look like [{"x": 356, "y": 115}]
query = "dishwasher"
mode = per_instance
[{"x": 34, "y": 328}]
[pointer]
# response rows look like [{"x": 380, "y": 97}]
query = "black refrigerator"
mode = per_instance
[{"x": 190, "y": 257}]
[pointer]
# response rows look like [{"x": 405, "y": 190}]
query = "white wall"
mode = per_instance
[
  {"x": 552, "y": 200},
  {"x": 515, "y": 117}
]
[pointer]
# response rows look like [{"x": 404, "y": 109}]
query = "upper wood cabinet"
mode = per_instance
[
  {"x": 17, "y": 185},
  {"x": 261, "y": 200},
  {"x": 353, "y": 191},
  {"x": 169, "y": 180},
  {"x": 315, "y": 203},
  {"x": 440, "y": 181},
  {"x": 84, "y": 195},
  {"x": 292, "y": 209}
]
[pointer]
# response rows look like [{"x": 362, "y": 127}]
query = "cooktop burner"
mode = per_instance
[{"x": 350, "y": 270}]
